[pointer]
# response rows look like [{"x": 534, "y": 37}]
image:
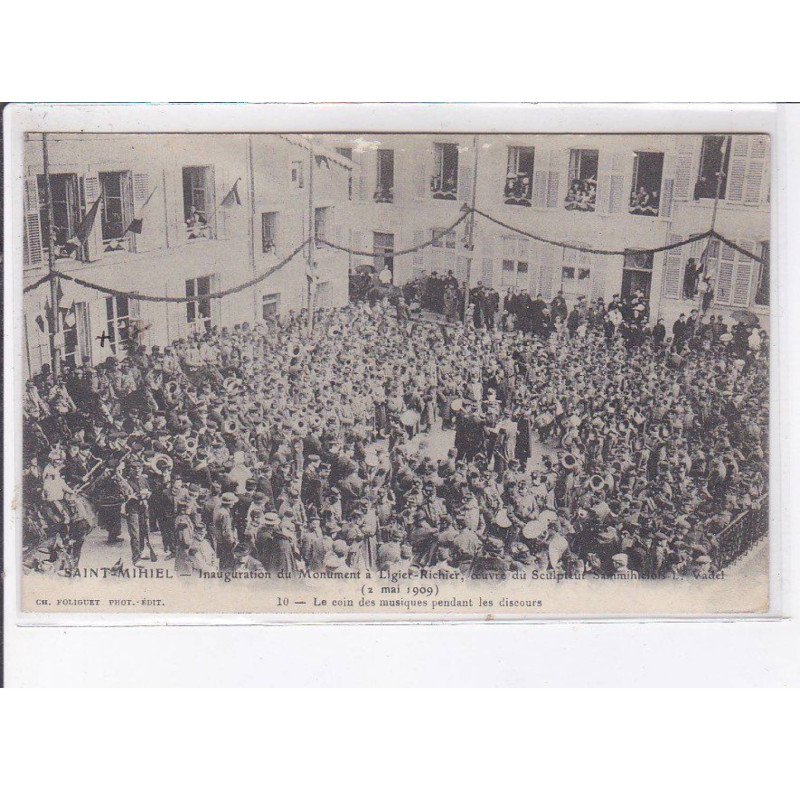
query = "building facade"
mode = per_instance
[
  {"x": 607, "y": 192},
  {"x": 209, "y": 212}
]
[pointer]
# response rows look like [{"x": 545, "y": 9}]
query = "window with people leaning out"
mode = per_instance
[
  {"x": 444, "y": 183},
  {"x": 713, "y": 175},
  {"x": 519, "y": 176},
  {"x": 582, "y": 193},
  {"x": 198, "y": 202},
  {"x": 117, "y": 209},
  {"x": 384, "y": 189},
  {"x": 646, "y": 185}
]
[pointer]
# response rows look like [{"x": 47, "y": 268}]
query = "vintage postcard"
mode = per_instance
[{"x": 391, "y": 374}]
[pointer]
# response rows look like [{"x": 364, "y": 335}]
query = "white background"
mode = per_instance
[{"x": 214, "y": 745}]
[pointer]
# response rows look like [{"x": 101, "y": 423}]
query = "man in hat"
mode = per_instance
[{"x": 224, "y": 532}]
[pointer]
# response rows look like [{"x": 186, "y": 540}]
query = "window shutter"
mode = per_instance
[
  {"x": 418, "y": 256},
  {"x": 540, "y": 181},
  {"x": 175, "y": 218},
  {"x": 91, "y": 191},
  {"x": 552, "y": 189},
  {"x": 461, "y": 270},
  {"x": 667, "y": 193},
  {"x": 550, "y": 262},
  {"x": 673, "y": 268},
  {"x": 152, "y": 236},
  {"x": 464, "y": 180},
  {"x": 32, "y": 231},
  {"x": 423, "y": 178},
  {"x": 743, "y": 275},
  {"x": 724, "y": 291},
  {"x": 683, "y": 186},
  {"x": 754, "y": 177},
  {"x": 616, "y": 194},
  {"x": 737, "y": 169},
  {"x": 487, "y": 271}
]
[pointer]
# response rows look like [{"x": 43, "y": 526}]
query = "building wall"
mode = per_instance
[
  {"x": 165, "y": 258},
  {"x": 414, "y": 212}
]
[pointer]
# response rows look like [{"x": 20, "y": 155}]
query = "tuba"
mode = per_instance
[
  {"x": 597, "y": 482},
  {"x": 160, "y": 463}
]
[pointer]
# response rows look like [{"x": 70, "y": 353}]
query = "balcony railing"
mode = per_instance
[
  {"x": 443, "y": 188},
  {"x": 743, "y": 533},
  {"x": 384, "y": 194},
  {"x": 518, "y": 190}
]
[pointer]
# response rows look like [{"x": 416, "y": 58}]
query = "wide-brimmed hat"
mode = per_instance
[{"x": 229, "y": 499}]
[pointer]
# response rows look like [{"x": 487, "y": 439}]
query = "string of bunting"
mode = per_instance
[
  {"x": 372, "y": 254},
  {"x": 166, "y": 299}
]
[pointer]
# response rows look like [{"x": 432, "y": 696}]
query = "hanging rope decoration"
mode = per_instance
[
  {"x": 162, "y": 299},
  {"x": 373, "y": 254}
]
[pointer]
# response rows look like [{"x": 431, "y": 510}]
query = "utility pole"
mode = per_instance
[
  {"x": 53, "y": 321},
  {"x": 252, "y": 223},
  {"x": 471, "y": 229},
  {"x": 720, "y": 177},
  {"x": 312, "y": 244}
]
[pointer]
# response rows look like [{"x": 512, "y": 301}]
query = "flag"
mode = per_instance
[
  {"x": 322, "y": 160},
  {"x": 69, "y": 317},
  {"x": 233, "y": 196},
  {"x": 40, "y": 322},
  {"x": 137, "y": 223},
  {"x": 87, "y": 223}
]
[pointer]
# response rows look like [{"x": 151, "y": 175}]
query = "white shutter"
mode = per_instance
[
  {"x": 743, "y": 275},
  {"x": 487, "y": 271},
  {"x": 422, "y": 182},
  {"x": 175, "y": 217},
  {"x": 552, "y": 189},
  {"x": 464, "y": 179},
  {"x": 683, "y": 187},
  {"x": 358, "y": 244},
  {"x": 737, "y": 168},
  {"x": 604, "y": 165},
  {"x": 540, "y": 181},
  {"x": 418, "y": 256},
  {"x": 91, "y": 191},
  {"x": 152, "y": 235},
  {"x": 724, "y": 292},
  {"x": 756, "y": 167},
  {"x": 673, "y": 269},
  {"x": 616, "y": 198},
  {"x": 550, "y": 263},
  {"x": 667, "y": 186},
  {"x": 32, "y": 231}
]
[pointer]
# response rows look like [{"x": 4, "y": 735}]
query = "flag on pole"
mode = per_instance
[
  {"x": 233, "y": 196},
  {"x": 322, "y": 161},
  {"x": 87, "y": 223},
  {"x": 137, "y": 223}
]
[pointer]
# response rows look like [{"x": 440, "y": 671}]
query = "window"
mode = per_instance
[
  {"x": 519, "y": 176},
  {"x": 383, "y": 245},
  {"x": 347, "y": 152},
  {"x": 384, "y": 190},
  {"x": 444, "y": 183},
  {"x": 714, "y": 159},
  {"x": 66, "y": 211},
  {"x": 321, "y": 222},
  {"x": 117, "y": 209},
  {"x": 270, "y": 306},
  {"x": 762, "y": 287},
  {"x": 77, "y": 335},
  {"x": 515, "y": 273},
  {"x": 446, "y": 240},
  {"x": 582, "y": 192},
  {"x": 122, "y": 317},
  {"x": 646, "y": 185},
  {"x": 297, "y": 174},
  {"x": 198, "y": 202},
  {"x": 636, "y": 259},
  {"x": 269, "y": 232},
  {"x": 198, "y": 312}
]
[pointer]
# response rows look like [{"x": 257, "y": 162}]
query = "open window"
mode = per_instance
[
  {"x": 384, "y": 189},
  {"x": 269, "y": 232},
  {"x": 648, "y": 169},
  {"x": 198, "y": 312},
  {"x": 270, "y": 305},
  {"x": 383, "y": 246},
  {"x": 198, "y": 202},
  {"x": 582, "y": 192},
  {"x": 321, "y": 223},
  {"x": 714, "y": 160},
  {"x": 66, "y": 212},
  {"x": 515, "y": 273},
  {"x": 446, "y": 240},
  {"x": 444, "y": 183},
  {"x": 122, "y": 320},
  {"x": 117, "y": 206},
  {"x": 519, "y": 176},
  {"x": 297, "y": 174}
]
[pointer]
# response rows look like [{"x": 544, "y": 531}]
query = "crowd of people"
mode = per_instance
[{"x": 587, "y": 443}]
